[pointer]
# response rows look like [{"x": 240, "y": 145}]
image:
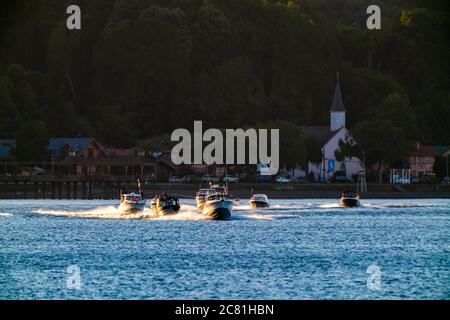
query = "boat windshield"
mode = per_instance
[
  {"x": 215, "y": 190},
  {"x": 168, "y": 201},
  {"x": 216, "y": 196},
  {"x": 133, "y": 197},
  {"x": 350, "y": 194},
  {"x": 260, "y": 197},
  {"x": 220, "y": 190},
  {"x": 202, "y": 192}
]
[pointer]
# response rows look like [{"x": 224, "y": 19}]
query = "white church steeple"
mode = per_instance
[{"x": 337, "y": 112}]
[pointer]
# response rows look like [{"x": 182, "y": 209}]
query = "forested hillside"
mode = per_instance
[{"x": 139, "y": 69}]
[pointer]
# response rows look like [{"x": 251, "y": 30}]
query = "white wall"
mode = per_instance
[
  {"x": 337, "y": 120},
  {"x": 350, "y": 165}
]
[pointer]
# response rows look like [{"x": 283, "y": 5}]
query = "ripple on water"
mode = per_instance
[{"x": 297, "y": 249}]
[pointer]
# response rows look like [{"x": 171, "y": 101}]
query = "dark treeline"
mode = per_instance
[{"x": 141, "y": 68}]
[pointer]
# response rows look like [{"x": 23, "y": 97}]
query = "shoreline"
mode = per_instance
[
  {"x": 313, "y": 191},
  {"x": 241, "y": 190}
]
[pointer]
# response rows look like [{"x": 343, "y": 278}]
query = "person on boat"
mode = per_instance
[{"x": 141, "y": 193}]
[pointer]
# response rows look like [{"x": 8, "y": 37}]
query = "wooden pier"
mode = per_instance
[{"x": 66, "y": 187}]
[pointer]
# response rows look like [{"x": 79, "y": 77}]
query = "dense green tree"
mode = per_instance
[
  {"x": 396, "y": 108},
  {"x": 293, "y": 145},
  {"x": 313, "y": 150},
  {"x": 381, "y": 142},
  {"x": 32, "y": 142},
  {"x": 140, "y": 68},
  {"x": 442, "y": 167}
]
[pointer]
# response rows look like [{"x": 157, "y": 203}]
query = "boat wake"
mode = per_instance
[
  {"x": 187, "y": 212},
  {"x": 113, "y": 212},
  {"x": 330, "y": 206},
  {"x": 5, "y": 214},
  {"x": 108, "y": 212},
  {"x": 243, "y": 211},
  {"x": 398, "y": 206}
]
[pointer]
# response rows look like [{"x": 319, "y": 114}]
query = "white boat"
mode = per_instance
[
  {"x": 259, "y": 201},
  {"x": 218, "y": 206},
  {"x": 132, "y": 202}
]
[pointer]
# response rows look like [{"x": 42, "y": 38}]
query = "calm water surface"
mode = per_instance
[{"x": 298, "y": 249}]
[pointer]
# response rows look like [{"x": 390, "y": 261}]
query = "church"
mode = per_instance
[{"x": 329, "y": 137}]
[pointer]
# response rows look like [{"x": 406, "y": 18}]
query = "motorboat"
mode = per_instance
[
  {"x": 259, "y": 201},
  {"x": 218, "y": 203},
  {"x": 350, "y": 199},
  {"x": 200, "y": 197},
  {"x": 132, "y": 202},
  {"x": 164, "y": 204}
]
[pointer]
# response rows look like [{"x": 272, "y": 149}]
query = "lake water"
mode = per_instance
[{"x": 298, "y": 249}]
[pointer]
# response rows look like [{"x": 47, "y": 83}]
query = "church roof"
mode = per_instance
[{"x": 338, "y": 104}]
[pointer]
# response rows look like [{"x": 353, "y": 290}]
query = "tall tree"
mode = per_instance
[{"x": 32, "y": 142}]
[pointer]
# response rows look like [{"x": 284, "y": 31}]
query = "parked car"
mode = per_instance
[
  {"x": 207, "y": 178},
  {"x": 283, "y": 179},
  {"x": 189, "y": 178},
  {"x": 175, "y": 179},
  {"x": 230, "y": 178},
  {"x": 263, "y": 179},
  {"x": 415, "y": 180},
  {"x": 299, "y": 179},
  {"x": 343, "y": 179}
]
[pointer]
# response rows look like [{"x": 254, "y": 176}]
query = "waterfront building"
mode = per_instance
[{"x": 421, "y": 160}]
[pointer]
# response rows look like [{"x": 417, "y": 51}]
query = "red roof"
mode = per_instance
[{"x": 421, "y": 151}]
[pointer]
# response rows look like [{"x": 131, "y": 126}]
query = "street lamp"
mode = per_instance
[
  {"x": 323, "y": 165},
  {"x": 446, "y": 160}
]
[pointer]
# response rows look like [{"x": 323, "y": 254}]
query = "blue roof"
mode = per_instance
[
  {"x": 438, "y": 150},
  {"x": 76, "y": 144},
  {"x": 5, "y": 151},
  {"x": 8, "y": 142}
]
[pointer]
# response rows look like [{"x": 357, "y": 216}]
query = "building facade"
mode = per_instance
[{"x": 329, "y": 138}]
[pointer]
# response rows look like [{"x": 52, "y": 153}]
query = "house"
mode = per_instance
[
  {"x": 421, "y": 160},
  {"x": 63, "y": 147},
  {"x": 88, "y": 157},
  {"x": 329, "y": 137}
]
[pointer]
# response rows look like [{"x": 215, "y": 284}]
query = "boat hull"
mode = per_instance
[
  {"x": 218, "y": 209},
  {"x": 259, "y": 204},
  {"x": 349, "y": 202},
  {"x": 165, "y": 211},
  {"x": 127, "y": 207},
  {"x": 200, "y": 202}
]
